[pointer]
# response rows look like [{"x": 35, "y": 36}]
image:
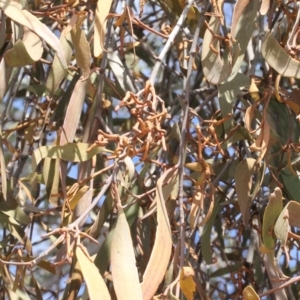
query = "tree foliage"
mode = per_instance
[{"x": 149, "y": 149}]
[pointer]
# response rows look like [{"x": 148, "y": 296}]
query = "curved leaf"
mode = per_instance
[
  {"x": 25, "y": 52},
  {"x": 123, "y": 263},
  {"x": 249, "y": 293},
  {"x": 57, "y": 72},
  {"x": 73, "y": 112},
  {"x": 244, "y": 16},
  {"x": 278, "y": 58},
  {"x": 294, "y": 213},
  {"x": 243, "y": 179},
  {"x": 187, "y": 284},
  {"x": 281, "y": 228},
  {"x": 82, "y": 47},
  {"x": 214, "y": 68},
  {"x": 161, "y": 252},
  {"x": 101, "y": 13},
  {"x": 95, "y": 284},
  {"x": 14, "y": 10},
  {"x": 271, "y": 214}
]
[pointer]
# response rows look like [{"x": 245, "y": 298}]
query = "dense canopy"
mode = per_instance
[{"x": 149, "y": 149}]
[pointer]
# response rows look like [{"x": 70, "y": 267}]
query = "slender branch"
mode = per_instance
[
  {"x": 170, "y": 41},
  {"x": 182, "y": 147},
  {"x": 284, "y": 285}
]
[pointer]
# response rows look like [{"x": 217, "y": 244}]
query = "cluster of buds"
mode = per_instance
[{"x": 147, "y": 133}]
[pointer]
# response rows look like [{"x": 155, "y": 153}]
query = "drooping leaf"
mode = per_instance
[
  {"x": 101, "y": 13},
  {"x": 281, "y": 228},
  {"x": 262, "y": 141},
  {"x": 206, "y": 235},
  {"x": 123, "y": 263},
  {"x": 120, "y": 72},
  {"x": 57, "y": 72},
  {"x": 243, "y": 178},
  {"x": 73, "y": 113},
  {"x": 102, "y": 259},
  {"x": 12, "y": 226},
  {"x": 228, "y": 91},
  {"x": 278, "y": 58},
  {"x": 290, "y": 183},
  {"x": 271, "y": 214},
  {"x": 159, "y": 260},
  {"x": 244, "y": 16},
  {"x": 294, "y": 213},
  {"x": 14, "y": 10},
  {"x": 6, "y": 74},
  {"x": 51, "y": 179},
  {"x": 215, "y": 69},
  {"x": 3, "y": 171},
  {"x": 95, "y": 284},
  {"x": 82, "y": 47},
  {"x": 74, "y": 199},
  {"x": 26, "y": 51}
]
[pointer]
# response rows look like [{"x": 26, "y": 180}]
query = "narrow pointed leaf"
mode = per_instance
[
  {"x": 95, "y": 284},
  {"x": 123, "y": 263},
  {"x": 159, "y": 260},
  {"x": 102, "y": 11},
  {"x": 73, "y": 113},
  {"x": 57, "y": 72},
  {"x": 82, "y": 49}
]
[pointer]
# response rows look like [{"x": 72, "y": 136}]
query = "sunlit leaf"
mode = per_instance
[
  {"x": 3, "y": 171},
  {"x": 271, "y": 214},
  {"x": 264, "y": 7},
  {"x": 187, "y": 284},
  {"x": 282, "y": 226},
  {"x": 94, "y": 281},
  {"x": 123, "y": 263},
  {"x": 74, "y": 152},
  {"x": 82, "y": 48},
  {"x": 158, "y": 263},
  {"x": 215, "y": 69},
  {"x": 278, "y": 58},
  {"x": 249, "y": 293},
  {"x": 227, "y": 92},
  {"x": 14, "y": 11},
  {"x": 244, "y": 16},
  {"x": 26, "y": 51},
  {"x": 101, "y": 13},
  {"x": 57, "y": 72},
  {"x": 294, "y": 213},
  {"x": 73, "y": 113},
  {"x": 74, "y": 199},
  {"x": 51, "y": 179}
]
